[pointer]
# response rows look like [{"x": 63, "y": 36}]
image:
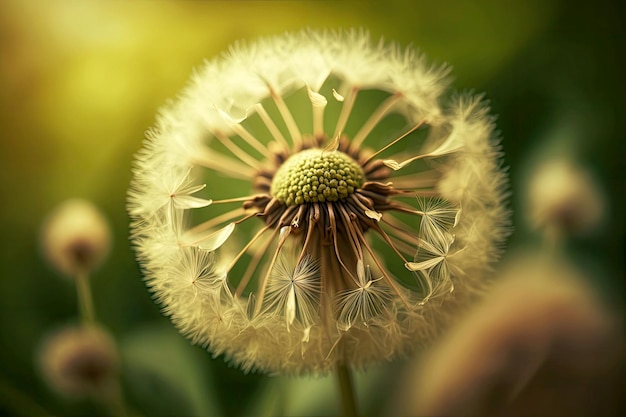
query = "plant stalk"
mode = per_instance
[
  {"x": 85, "y": 300},
  {"x": 346, "y": 386}
]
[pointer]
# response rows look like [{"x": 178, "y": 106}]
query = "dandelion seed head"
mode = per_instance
[
  {"x": 79, "y": 361},
  {"x": 293, "y": 217},
  {"x": 75, "y": 237},
  {"x": 564, "y": 196}
]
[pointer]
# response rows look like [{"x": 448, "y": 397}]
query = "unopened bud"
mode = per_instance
[
  {"x": 75, "y": 237},
  {"x": 564, "y": 196},
  {"x": 79, "y": 361}
]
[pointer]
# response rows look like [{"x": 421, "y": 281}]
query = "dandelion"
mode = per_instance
[
  {"x": 308, "y": 196},
  {"x": 80, "y": 361},
  {"x": 564, "y": 197},
  {"x": 75, "y": 237},
  {"x": 544, "y": 332}
]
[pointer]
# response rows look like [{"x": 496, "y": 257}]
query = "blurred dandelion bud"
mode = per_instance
[
  {"x": 307, "y": 197},
  {"x": 564, "y": 196},
  {"x": 542, "y": 344},
  {"x": 80, "y": 361},
  {"x": 75, "y": 237}
]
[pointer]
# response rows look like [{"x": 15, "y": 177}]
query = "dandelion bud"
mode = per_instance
[
  {"x": 79, "y": 361},
  {"x": 308, "y": 195},
  {"x": 75, "y": 237},
  {"x": 542, "y": 344},
  {"x": 564, "y": 196}
]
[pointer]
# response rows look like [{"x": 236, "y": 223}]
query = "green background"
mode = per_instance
[{"x": 81, "y": 81}]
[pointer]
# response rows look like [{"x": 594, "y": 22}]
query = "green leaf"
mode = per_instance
[{"x": 165, "y": 375}]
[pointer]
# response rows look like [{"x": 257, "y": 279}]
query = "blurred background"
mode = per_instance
[{"x": 81, "y": 81}]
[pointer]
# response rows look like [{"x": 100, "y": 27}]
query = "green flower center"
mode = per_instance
[{"x": 316, "y": 176}]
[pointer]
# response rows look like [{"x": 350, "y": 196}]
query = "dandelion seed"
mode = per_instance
[
  {"x": 432, "y": 261},
  {"x": 294, "y": 291},
  {"x": 357, "y": 307},
  {"x": 438, "y": 216},
  {"x": 314, "y": 233},
  {"x": 198, "y": 272}
]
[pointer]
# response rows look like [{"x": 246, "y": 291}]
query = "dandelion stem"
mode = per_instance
[
  {"x": 85, "y": 300},
  {"x": 346, "y": 387},
  {"x": 116, "y": 403},
  {"x": 14, "y": 400},
  {"x": 552, "y": 241}
]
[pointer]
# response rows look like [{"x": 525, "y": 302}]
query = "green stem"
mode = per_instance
[
  {"x": 85, "y": 300},
  {"x": 15, "y": 401},
  {"x": 113, "y": 398},
  {"x": 115, "y": 401},
  {"x": 552, "y": 239},
  {"x": 346, "y": 386}
]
